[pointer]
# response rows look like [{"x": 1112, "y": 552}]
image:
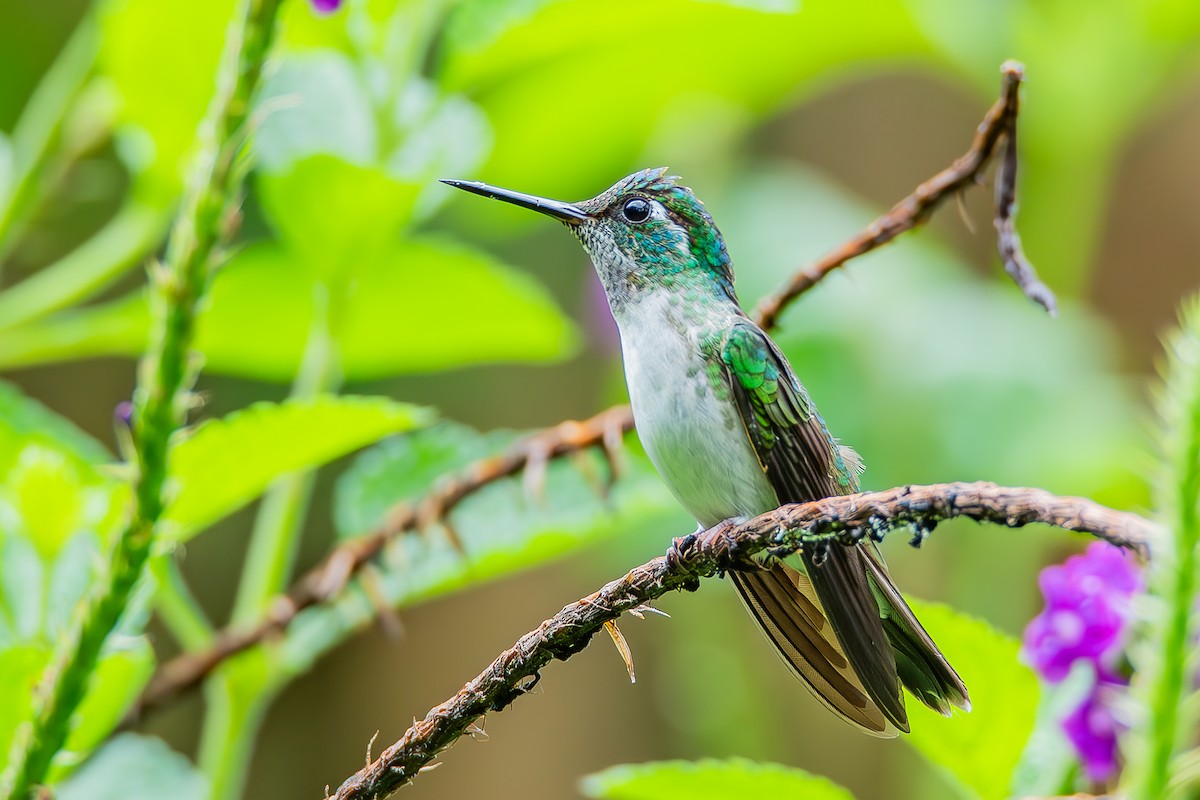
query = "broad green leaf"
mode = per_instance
[
  {"x": 47, "y": 493},
  {"x": 709, "y": 779},
  {"x": 307, "y": 202},
  {"x": 403, "y": 469},
  {"x": 344, "y": 165},
  {"x": 20, "y": 669},
  {"x": 397, "y": 318},
  {"x": 977, "y": 751},
  {"x": 51, "y": 484},
  {"x": 502, "y": 528},
  {"x": 22, "y": 588},
  {"x": 225, "y": 463},
  {"x": 120, "y": 675},
  {"x": 315, "y": 104},
  {"x": 114, "y": 684},
  {"x": 135, "y": 767},
  {"x": 161, "y": 57}
]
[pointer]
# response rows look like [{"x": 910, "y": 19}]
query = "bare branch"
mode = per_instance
[
  {"x": 834, "y": 521},
  {"x": 327, "y": 580},
  {"x": 607, "y": 428},
  {"x": 999, "y": 123}
]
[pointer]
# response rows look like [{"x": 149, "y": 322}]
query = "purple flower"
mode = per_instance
[
  {"x": 1087, "y": 608},
  {"x": 1093, "y": 729},
  {"x": 326, "y": 6}
]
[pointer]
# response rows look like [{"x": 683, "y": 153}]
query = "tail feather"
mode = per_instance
[
  {"x": 790, "y": 610},
  {"x": 923, "y": 669},
  {"x": 786, "y": 607}
]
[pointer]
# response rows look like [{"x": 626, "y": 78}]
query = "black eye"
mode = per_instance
[{"x": 636, "y": 210}]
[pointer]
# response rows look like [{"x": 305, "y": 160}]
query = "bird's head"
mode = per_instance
[{"x": 644, "y": 233}]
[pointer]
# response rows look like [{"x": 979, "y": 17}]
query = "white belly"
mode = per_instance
[{"x": 694, "y": 437}]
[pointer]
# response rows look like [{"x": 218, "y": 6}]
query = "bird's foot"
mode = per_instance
[{"x": 682, "y": 550}]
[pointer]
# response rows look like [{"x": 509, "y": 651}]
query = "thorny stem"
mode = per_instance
[
  {"x": 160, "y": 403},
  {"x": 605, "y": 429},
  {"x": 1164, "y": 672},
  {"x": 832, "y": 522}
]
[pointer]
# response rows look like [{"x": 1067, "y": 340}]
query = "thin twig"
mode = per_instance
[
  {"x": 834, "y": 521},
  {"x": 167, "y": 374},
  {"x": 999, "y": 123},
  {"x": 330, "y": 577},
  {"x": 604, "y": 430}
]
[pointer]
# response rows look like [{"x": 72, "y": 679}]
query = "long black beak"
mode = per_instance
[{"x": 554, "y": 208}]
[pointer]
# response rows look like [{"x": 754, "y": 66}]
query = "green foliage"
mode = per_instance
[
  {"x": 977, "y": 751},
  {"x": 499, "y": 315},
  {"x": 160, "y": 59},
  {"x": 132, "y": 767},
  {"x": 226, "y": 463},
  {"x": 503, "y": 528},
  {"x": 58, "y": 512},
  {"x": 931, "y": 373},
  {"x": 697, "y": 99},
  {"x": 708, "y": 780}
]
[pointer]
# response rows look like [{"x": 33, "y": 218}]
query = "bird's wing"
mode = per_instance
[{"x": 802, "y": 462}]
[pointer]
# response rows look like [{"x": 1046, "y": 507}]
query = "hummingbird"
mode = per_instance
[{"x": 733, "y": 434}]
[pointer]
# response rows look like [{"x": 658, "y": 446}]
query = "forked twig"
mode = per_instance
[{"x": 998, "y": 125}]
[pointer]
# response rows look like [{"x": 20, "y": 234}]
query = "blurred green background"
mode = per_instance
[{"x": 796, "y": 124}]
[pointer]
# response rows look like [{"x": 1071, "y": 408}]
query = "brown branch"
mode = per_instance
[
  {"x": 845, "y": 520},
  {"x": 999, "y": 123},
  {"x": 607, "y": 428},
  {"x": 326, "y": 580}
]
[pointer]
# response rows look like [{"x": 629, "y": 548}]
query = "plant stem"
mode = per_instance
[
  {"x": 280, "y": 516},
  {"x": 241, "y": 691},
  {"x": 123, "y": 242},
  {"x": 41, "y": 123},
  {"x": 160, "y": 401},
  {"x": 1163, "y": 664},
  {"x": 177, "y": 607}
]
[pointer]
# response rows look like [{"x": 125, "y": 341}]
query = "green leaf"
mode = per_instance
[
  {"x": 315, "y": 104},
  {"x": 303, "y": 202},
  {"x": 709, "y": 780},
  {"x": 161, "y": 57},
  {"x": 426, "y": 305},
  {"x": 502, "y": 528},
  {"x": 342, "y": 173},
  {"x": 22, "y": 592},
  {"x": 135, "y": 767},
  {"x": 58, "y": 510},
  {"x": 977, "y": 751},
  {"x": 20, "y": 669},
  {"x": 226, "y": 463},
  {"x": 119, "y": 677},
  {"x": 51, "y": 484}
]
